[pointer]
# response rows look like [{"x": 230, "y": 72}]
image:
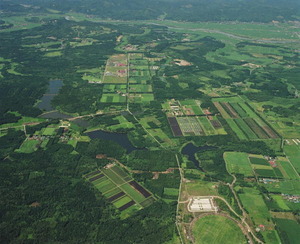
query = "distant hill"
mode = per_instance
[{"x": 183, "y": 10}]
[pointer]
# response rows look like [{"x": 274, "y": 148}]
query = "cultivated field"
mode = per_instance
[
  {"x": 120, "y": 189},
  {"x": 116, "y": 69},
  {"x": 243, "y": 120}
]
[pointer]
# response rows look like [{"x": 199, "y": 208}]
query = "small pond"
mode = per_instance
[
  {"x": 190, "y": 150},
  {"x": 120, "y": 138}
]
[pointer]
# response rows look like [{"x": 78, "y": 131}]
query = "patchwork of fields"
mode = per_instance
[
  {"x": 120, "y": 189},
  {"x": 259, "y": 166},
  {"x": 243, "y": 120},
  {"x": 187, "y": 118},
  {"x": 139, "y": 90},
  {"x": 127, "y": 76}
]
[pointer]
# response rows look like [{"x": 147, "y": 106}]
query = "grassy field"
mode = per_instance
[
  {"x": 141, "y": 97},
  {"x": 280, "y": 202},
  {"x": 201, "y": 188},
  {"x": 236, "y": 129},
  {"x": 291, "y": 229},
  {"x": 288, "y": 170},
  {"x": 112, "y": 98},
  {"x": 284, "y": 186},
  {"x": 28, "y": 146},
  {"x": 293, "y": 153},
  {"x": 238, "y": 163},
  {"x": 171, "y": 191},
  {"x": 49, "y": 131},
  {"x": 259, "y": 213},
  {"x": 255, "y": 205},
  {"x": 217, "y": 229}
]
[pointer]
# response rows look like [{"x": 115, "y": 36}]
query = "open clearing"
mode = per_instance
[
  {"x": 214, "y": 229},
  {"x": 238, "y": 163}
]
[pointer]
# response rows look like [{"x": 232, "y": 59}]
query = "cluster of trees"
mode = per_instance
[
  {"x": 151, "y": 160},
  {"x": 45, "y": 198},
  {"x": 156, "y": 186}
]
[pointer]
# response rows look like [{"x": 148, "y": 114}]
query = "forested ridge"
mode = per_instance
[{"x": 187, "y": 10}]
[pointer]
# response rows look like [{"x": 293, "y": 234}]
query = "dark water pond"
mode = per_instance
[
  {"x": 52, "y": 91},
  {"x": 190, "y": 150},
  {"x": 120, "y": 138}
]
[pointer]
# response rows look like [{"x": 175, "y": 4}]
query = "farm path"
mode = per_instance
[{"x": 243, "y": 219}]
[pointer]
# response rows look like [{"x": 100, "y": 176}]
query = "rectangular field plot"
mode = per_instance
[
  {"x": 116, "y": 69},
  {"x": 191, "y": 107},
  {"x": 113, "y": 98},
  {"x": 190, "y": 126},
  {"x": 112, "y": 192},
  {"x": 121, "y": 202},
  {"x": 260, "y": 161},
  {"x": 246, "y": 129},
  {"x": 140, "y": 189},
  {"x": 284, "y": 186},
  {"x": 113, "y": 176},
  {"x": 175, "y": 126},
  {"x": 207, "y": 126},
  {"x": 141, "y": 97},
  {"x": 133, "y": 193},
  {"x": 238, "y": 163},
  {"x": 243, "y": 120},
  {"x": 138, "y": 79},
  {"x": 293, "y": 153},
  {"x": 120, "y": 189},
  {"x": 140, "y": 88},
  {"x": 288, "y": 171},
  {"x": 236, "y": 129},
  {"x": 171, "y": 191},
  {"x": 111, "y": 88}
]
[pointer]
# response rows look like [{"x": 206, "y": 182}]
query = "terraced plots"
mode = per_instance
[
  {"x": 120, "y": 189},
  {"x": 243, "y": 120}
]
